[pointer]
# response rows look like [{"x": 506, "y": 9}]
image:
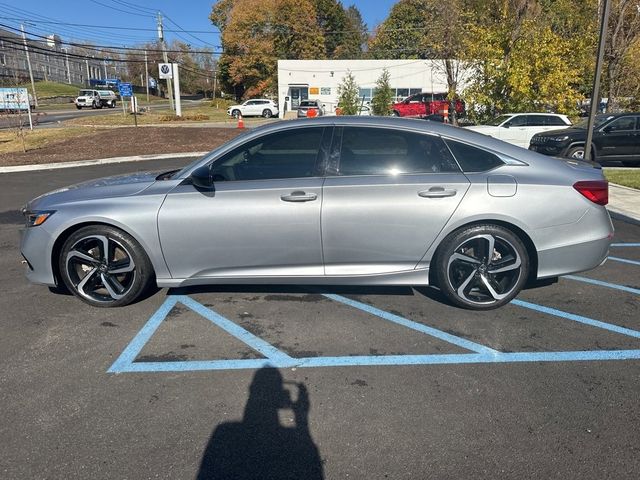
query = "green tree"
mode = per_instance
[
  {"x": 355, "y": 36},
  {"x": 348, "y": 91},
  {"x": 383, "y": 95},
  {"x": 401, "y": 34}
]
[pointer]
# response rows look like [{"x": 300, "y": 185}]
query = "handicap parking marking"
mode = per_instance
[
  {"x": 276, "y": 358},
  {"x": 624, "y": 260},
  {"x": 602, "y": 283}
]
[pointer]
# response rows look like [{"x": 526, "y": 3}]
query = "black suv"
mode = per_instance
[{"x": 616, "y": 138}]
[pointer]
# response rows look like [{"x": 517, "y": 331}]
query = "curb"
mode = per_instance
[{"x": 99, "y": 161}]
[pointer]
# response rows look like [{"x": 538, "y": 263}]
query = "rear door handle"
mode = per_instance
[
  {"x": 437, "y": 192},
  {"x": 299, "y": 196}
]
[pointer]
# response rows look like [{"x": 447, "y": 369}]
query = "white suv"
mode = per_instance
[
  {"x": 259, "y": 107},
  {"x": 518, "y": 128}
]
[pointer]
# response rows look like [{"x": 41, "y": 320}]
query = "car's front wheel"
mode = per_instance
[
  {"x": 104, "y": 266},
  {"x": 482, "y": 267},
  {"x": 576, "y": 152},
  {"x": 235, "y": 113}
]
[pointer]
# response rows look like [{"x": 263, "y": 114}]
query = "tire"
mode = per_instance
[
  {"x": 395, "y": 113},
  {"x": 471, "y": 278},
  {"x": 112, "y": 104},
  {"x": 112, "y": 280},
  {"x": 235, "y": 113},
  {"x": 94, "y": 105},
  {"x": 576, "y": 152},
  {"x": 78, "y": 107},
  {"x": 266, "y": 113}
]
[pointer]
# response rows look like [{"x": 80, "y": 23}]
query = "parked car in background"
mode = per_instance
[
  {"x": 518, "y": 128},
  {"x": 256, "y": 107},
  {"x": 616, "y": 138},
  {"x": 424, "y": 104},
  {"x": 95, "y": 99},
  {"x": 307, "y": 105},
  {"x": 331, "y": 200},
  {"x": 365, "y": 111}
]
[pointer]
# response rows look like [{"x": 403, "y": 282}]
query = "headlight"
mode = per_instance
[
  {"x": 33, "y": 219},
  {"x": 561, "y": 138}
]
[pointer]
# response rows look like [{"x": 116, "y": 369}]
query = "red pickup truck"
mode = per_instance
[{"x": 423, "y": 104}]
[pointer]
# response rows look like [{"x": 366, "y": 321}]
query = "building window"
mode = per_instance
[
  {"x": 325, "y": 90},
  {"x": 3, "y": 60},
  {"x": 366, "y": 93}
]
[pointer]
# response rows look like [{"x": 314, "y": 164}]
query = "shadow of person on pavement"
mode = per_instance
[{"x": 259, "y": 447}]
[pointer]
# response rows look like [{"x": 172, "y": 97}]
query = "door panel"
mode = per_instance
[
  {"x": 243, "y": 228},
  {"x": 389, "y": 195},
  {"x": 382, "y": 224}
]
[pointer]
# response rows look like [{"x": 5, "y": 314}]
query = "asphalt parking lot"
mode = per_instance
[{"x": 370, "y": 383}]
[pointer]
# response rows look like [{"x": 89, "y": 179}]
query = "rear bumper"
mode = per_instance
[{"x": 596, "y": 233}]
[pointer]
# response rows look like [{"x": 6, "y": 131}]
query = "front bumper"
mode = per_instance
[{"x": 36, "y": 245}]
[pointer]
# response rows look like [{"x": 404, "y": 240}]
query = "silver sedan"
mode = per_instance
[{"x": 331, "y": 200}]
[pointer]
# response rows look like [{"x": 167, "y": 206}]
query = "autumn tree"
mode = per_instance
[
  {"x": 348, "y": 95},
  {"x": 383, "y": 95},
  {"x": 256, "y": 33}
]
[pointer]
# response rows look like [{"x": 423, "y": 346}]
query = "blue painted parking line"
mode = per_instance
[
  {"x": 577, "y": 318},
  {"x": 600, "y": 283},
  {"x": 624, "y": 260},
  {"x": 447, "y": 337},
  {"x": 625, "y": 245},
  {"x": 278, "y": 359}
]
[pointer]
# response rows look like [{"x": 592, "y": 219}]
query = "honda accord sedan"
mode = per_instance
[{"x": 334, "y": 201}]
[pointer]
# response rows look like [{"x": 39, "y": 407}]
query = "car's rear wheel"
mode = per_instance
[
  {"x": 395, "y": 113},
  {"x": 482, "y": 267},
  {"x": 266, "y": 113},
  {"x": 104, "y": 266}
]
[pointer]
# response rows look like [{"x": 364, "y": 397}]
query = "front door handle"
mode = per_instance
[
  {"x": 437, "y": 192},
  {"x": 299, "y": 196}
]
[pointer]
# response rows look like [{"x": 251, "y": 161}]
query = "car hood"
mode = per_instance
[
  {"x": 576, "y": 133},
  {"x": 108, "y": 187}
]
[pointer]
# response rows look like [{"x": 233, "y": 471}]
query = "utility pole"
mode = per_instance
[
  {"x": 26, "y": 49},
  {"x": 105, "y": 69},
  {"x": 595, "y": 95},
  {"x": 215, "y": 84},
  {"x": 146, "y": 74},
  {"x": 165, "y": 57},
  {"x": 86, "y": 60}
]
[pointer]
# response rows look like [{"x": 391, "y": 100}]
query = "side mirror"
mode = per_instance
[{"x": 201, "y": 177}]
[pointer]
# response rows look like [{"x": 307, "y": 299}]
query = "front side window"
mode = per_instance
[
  {"x": 288, "y": 154},
  {"x": 517, "y": 121},
  {"x": 375, "y": 151},
  {"x": 473, "y": 159},
  {"x": 622, "y": 124}
]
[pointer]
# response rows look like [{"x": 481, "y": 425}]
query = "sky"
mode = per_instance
[{"x": 43, "y": 17}]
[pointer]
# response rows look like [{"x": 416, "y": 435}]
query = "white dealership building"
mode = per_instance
[{"x": 319, "y": 79}]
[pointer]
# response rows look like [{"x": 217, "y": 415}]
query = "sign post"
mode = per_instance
[
  {"x": 176, "y": 86},
  {"x": 126, "y": 90}
]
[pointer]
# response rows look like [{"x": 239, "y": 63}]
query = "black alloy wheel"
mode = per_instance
[
  {"x": 482, "y": 267},
  {"x": 104, "y": 266}
]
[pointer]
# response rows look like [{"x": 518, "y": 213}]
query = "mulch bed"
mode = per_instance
[{"x": 121, "y": 142}]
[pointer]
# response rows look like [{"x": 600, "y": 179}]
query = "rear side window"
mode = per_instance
[
  {"x": 473, "y": 159},
  {"x": 376, "y": 151}
]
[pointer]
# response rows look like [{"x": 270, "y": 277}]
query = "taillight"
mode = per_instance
[{"x": 595, "y": 190}]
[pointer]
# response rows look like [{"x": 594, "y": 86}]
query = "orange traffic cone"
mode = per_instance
[{"x": 240, "y": 121}]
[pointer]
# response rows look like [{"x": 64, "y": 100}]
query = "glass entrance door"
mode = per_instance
[{"x": 298, "y": 94}]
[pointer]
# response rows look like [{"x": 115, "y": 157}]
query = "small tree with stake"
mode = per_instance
[
  {"x": 348, "y": 90},
  {"x": 383, "y": 96}
]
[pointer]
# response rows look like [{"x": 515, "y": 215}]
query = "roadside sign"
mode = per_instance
[
  {"x": 165, "y": 70},
  {"x": 125, "y": 90}
]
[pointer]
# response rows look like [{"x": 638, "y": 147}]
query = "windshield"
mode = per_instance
[
  {"x": 498, "y": 120},
  {"x": 599, "y": 120},
  {"x": 83, "y": 93}
]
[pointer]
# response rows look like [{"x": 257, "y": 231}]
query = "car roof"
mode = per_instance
[{"x": 535, "y": 113}]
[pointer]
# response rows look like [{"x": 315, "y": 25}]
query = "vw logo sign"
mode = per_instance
[{"x": 165, "y": 69}]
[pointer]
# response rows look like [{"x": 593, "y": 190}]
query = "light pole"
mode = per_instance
[{"x": 66, "y": 52}]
